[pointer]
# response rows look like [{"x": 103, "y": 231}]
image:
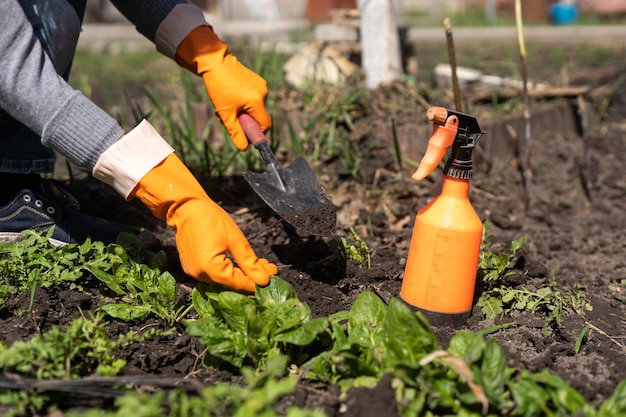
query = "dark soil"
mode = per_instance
[{"x": 575, "y": 219}]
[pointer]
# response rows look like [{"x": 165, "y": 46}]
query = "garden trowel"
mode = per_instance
[{"x": 292, "y": 192}]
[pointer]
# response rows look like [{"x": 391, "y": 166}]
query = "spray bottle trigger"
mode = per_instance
[{"x": 444, "y": 133}]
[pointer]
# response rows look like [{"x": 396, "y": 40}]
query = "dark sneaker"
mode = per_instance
[{"x": 52, "y": 205}]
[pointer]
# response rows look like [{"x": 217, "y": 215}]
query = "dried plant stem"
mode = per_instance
[
  {"x": 586, "y": 163},
  {"x": 526, "y": 164},
  {"x": 452, "y": 57},
  {"x": 605, "y": 334}
]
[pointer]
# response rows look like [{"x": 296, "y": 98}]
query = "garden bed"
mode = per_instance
[{"x": 574, "y": 220}]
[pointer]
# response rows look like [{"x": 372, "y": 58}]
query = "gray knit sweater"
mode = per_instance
[{"x": 32, "y": 92}]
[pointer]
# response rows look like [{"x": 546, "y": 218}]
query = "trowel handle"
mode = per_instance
[
  {"x": 257, "y": 138},
  {"x": 252, "y": 129}
]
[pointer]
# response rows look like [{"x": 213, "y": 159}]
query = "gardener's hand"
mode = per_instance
[
  {"x": 205, "y": 233},
  {"x": 142, "y": 164},
  {"x": 232, "y": 88}
]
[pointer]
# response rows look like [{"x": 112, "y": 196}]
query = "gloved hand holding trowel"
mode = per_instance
[{"x": 139, "y": 163}]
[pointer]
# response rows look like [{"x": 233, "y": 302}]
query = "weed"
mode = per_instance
[
  {"x": 256, "y": 397},
  {"x": 78, "y": 349},
  {"x": 581, "y": 338},
  {"x": 14, "y": 403},
  {"x": 494, "y": 267},
  {"x": 548, "y": 299},
  {"x": 140, "y": 288},
  {"x": 35, "y": 262},
  {"x": 126, "y": 269},
  {"x": 498, "y": 299},
  {"x": 349, "y": 251}
]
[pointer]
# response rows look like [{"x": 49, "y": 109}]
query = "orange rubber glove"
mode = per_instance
[
  {"x": 141, "y": 164},
  {"x": 232, "y": 88},
  {"x": 205, "y": 233}
]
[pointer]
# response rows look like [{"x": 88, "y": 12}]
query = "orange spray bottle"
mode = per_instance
[{"x": 440, "y": 273}]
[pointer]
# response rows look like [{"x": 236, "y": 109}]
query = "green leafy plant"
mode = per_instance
[
  {"x": 470, "y": 378},
  {"x": 147, "y": 292},
  {"x": 498, "y": 300},
  {"x": 242, "y": 329},
  {"x": 256, "y": 397},
  {"x": 549, "y": 299},
  {"x": 359, "y": 252},
  {"x": 14, "y": 403},
  {"x": 140, "y": 288},
  {"x": 369, "y": 341},
  {"x": 78, "y": 349},
  {"x": 492, "y": 266},
  {"x": 34, "y": 261},
  {"x": 131, "y": 273}
]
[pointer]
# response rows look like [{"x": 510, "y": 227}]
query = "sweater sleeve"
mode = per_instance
[
  {"x": 146, "y": 15},
  {"x": 33, "y": 93},
  {"x": 164, "y": 22}
]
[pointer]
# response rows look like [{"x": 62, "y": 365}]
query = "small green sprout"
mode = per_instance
[{"x": 353, "y": 252}]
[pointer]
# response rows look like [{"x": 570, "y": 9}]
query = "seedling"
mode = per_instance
[
  {"x": 495, "y": 267},
  {"x": 33, "y": 261},
  {"x": 358, "y": 252},
  {"x": 142, "y": 288},
  {"x": 552, "y": 301},
  {"x": 256, "y": 397},
  {"x": 242, "y": 329},
  {"x": 78, "y": 349}
]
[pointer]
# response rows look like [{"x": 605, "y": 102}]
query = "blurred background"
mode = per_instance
[{"x": 416, "y": 11}]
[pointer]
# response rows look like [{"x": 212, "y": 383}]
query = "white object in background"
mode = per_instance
[
  {"x": 265, "y": 9},
  {"x": 469, "y": 76},
  {"x": 443, "y": 75},
  {"x": 380, "y": 56}
]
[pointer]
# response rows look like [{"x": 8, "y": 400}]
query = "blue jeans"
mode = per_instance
[{"x": 57, "y": 25}]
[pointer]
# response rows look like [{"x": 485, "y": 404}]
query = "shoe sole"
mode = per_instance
[{"x": 14, "y": 237}]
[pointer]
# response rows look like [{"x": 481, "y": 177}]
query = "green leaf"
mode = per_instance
[
  {"x": 288, "y": 315},
  {"x": 467, "y": 345},
  {"x": 544, "y": 292},
  {"x": 581, "y": 338},
  {"x": 366, "y": 316},
  {"x": 529, "y": 398},
  {"x": 126, "y": 312},
  {"x": 202, "y": 299},
  {"x": 220, "y": 341},
  {"x": 490, "y": 305},
  {"x": 106, "y": 278},
  {"x": 305, "y": 334},
  {"x": 517, "y": 244},
  {"x": 166, "y": 284},
  {"x": 564, "y": 397},
  {"x": 493, "y": 371},
  {"x": 232, "y": 307},
  {"x": 277, "y": 292},
  {"x": 616, "y": 404},
  {"x": 407, "y": 335},
  {"x": 507, "y": 295}
]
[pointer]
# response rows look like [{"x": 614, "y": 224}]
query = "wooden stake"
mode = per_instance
[
  {"x": 526, "y": 165},
  {"x": 452, "y": 57}
]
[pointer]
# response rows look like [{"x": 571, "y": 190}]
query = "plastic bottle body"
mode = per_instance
[{"x": 440, "y": 274}]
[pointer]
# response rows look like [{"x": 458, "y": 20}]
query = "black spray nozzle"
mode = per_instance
[{"x": 459, "y": 164}]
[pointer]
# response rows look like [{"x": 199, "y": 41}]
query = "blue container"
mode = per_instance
[{"x": 564, "y": 13}]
